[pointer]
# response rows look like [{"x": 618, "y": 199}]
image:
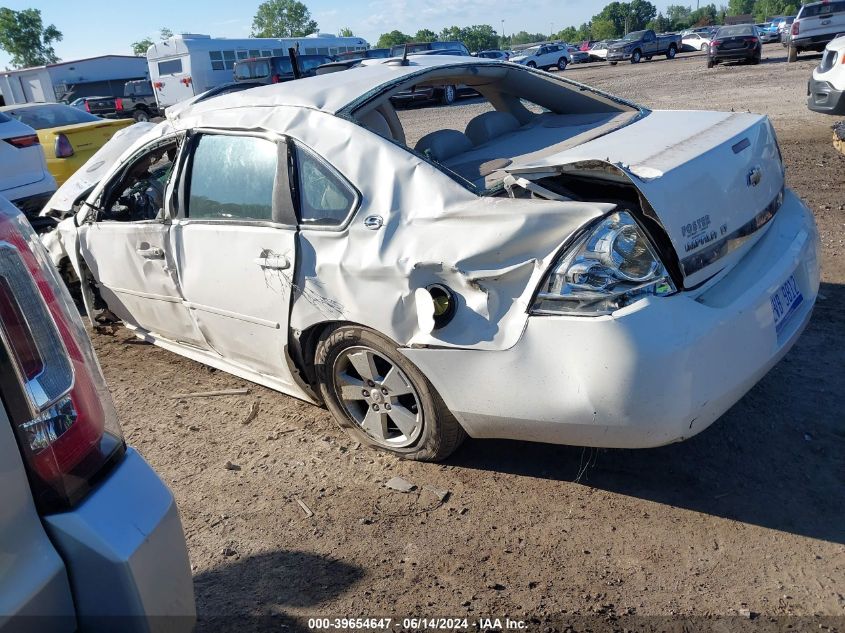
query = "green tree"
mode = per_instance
[
  {"x": 478, "y": 37},
  {"x": 346, "y": 32},
  {"x": 704, "y": 16},
  {"x": 660, "y": 24},
  {"x": 640, "y": 13},
  {"x": 604, "y": 30},
  {"x": 523, "y": 37},
  {"x": 25, "y": 38},
  {"x": 140, "y": 47},
  {"x": 740, "y": 7},
  {"x": 425, "y": 35},
  {"x": 566, "y": 35},
  {"x": 678, "y": 16},
  {"x": 394, "y": 38},
  {"x": 282, "y": 18}
]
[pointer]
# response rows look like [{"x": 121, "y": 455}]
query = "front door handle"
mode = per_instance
[
  {"x": 150, "y": 253},
  {"x": 274, "y": 262}
]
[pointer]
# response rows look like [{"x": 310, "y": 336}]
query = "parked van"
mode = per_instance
[{"x": 186, "y": 65}]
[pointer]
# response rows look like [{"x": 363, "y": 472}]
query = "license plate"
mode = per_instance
[{"x": 785, "y": 302}]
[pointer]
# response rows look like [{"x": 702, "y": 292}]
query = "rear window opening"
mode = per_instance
[{"x": 515, "y": 116}]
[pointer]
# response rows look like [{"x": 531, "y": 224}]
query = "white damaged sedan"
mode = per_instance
[{"x": 570, "y": 268}]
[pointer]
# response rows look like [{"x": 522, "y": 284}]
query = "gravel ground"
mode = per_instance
[{"x": 745, "y": 517}]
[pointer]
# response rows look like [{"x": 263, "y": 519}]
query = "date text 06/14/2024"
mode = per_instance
[{"x": 415, "y": 624}]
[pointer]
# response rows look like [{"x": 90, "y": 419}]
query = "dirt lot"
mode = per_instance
[{"x": 747, "y": 515}]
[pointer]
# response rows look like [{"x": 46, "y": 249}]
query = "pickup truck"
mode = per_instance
[
  {"x": 138, "y": 102},
  {"x": 639, "y": 44}
]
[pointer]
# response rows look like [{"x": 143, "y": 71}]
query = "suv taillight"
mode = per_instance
[
  {"x": 795, "y": 27},
  {"x": 21, "y": 142},
  {"x": 118, "y": 104},
  {"x": 51, "y": 384}
]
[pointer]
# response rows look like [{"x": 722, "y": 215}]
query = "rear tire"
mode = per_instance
[
  {"x": 561, "y": 63},
  {"x": 710, "y": 63},
  {"x": 531, "y": 65},
  {"x": 427, "y": 432},
  {"x": 648, "y": 58},
  {"x": 792, "y": 56},
  {"x": 703, "y": 48},
  {"x": 613, "y": 63},
  {"x": 141, "y": 116}
]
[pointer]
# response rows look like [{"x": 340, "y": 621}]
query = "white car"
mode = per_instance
[
  {"x": 696, "y": 41},
  {"x": 598, "y": 51},
  {"x": 24, "y": 179},
  {"x": 544, "y": 56},
  {"x": 548, "y": 274},
  {"x": 826, "y": 88}
]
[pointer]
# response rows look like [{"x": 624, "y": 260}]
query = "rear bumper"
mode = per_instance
[
  {"x": 659, "y": 371},
  {"x": 744, "y": 53},
  {"x": 814, "y": 43},
  {"x": 823, "y": 97},
  {"x": 125, "y": 554}
]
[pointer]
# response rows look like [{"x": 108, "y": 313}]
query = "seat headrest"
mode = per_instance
[
  {"x": 375, "y": 122},
  {"x": 489, "y": 125},
  {"x": 443, "y": 144}
]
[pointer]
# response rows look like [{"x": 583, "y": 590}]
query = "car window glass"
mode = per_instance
[
  {"x": 139, "y": 193},
  {"x": 49, "y": 115},
  {"x": 232, "y": 178},
  {"x": 324, "y": 199}
]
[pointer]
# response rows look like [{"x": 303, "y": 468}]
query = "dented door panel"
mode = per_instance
[
  {"x": 135, "y": 269},
  {"x": 236, "y": 282}
]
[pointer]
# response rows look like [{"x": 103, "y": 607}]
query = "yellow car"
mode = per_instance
[{"x": 69, "y": 136}]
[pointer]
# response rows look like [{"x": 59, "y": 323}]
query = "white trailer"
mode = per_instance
[{"x": 186, "y": 65}]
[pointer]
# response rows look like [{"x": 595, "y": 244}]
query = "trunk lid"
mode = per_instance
[
  {"x": 713, "y": 179},
  {"x": 89, "y": 137}
]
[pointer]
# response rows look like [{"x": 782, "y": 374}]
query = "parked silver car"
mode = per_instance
[{"x": 90, "y": 538}]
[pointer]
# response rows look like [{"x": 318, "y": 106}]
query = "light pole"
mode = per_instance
[{"x": 503, "y": 33}]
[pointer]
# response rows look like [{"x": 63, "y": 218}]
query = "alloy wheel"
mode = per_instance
[{"x": 378, "y": 397}]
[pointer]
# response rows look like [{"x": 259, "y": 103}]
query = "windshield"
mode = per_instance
[
  {"x": 530, "y": 51},
  {"x": 633, "y": 36},
  {"x": 50, "y": 115}
]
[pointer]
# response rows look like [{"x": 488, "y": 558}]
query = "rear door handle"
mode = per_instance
[
  {"x": 274, "y": 262},
  {"x": 150, "y": 253}
]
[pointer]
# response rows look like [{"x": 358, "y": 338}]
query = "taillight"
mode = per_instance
[
  {"x": 795, "y": 28},
  {"x": 118, "y": 104},
  {"x": 60, "y": 407},
  {"x": 87, "y": 107},
  {"x": 716, "y": 43},
  {"x": 63, "y": 148},
  {"x": 21, "y": 142},
  {"x": 276, "y": 78}
]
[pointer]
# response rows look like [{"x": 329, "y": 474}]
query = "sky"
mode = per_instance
[{"x": 114, "y": 26}]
